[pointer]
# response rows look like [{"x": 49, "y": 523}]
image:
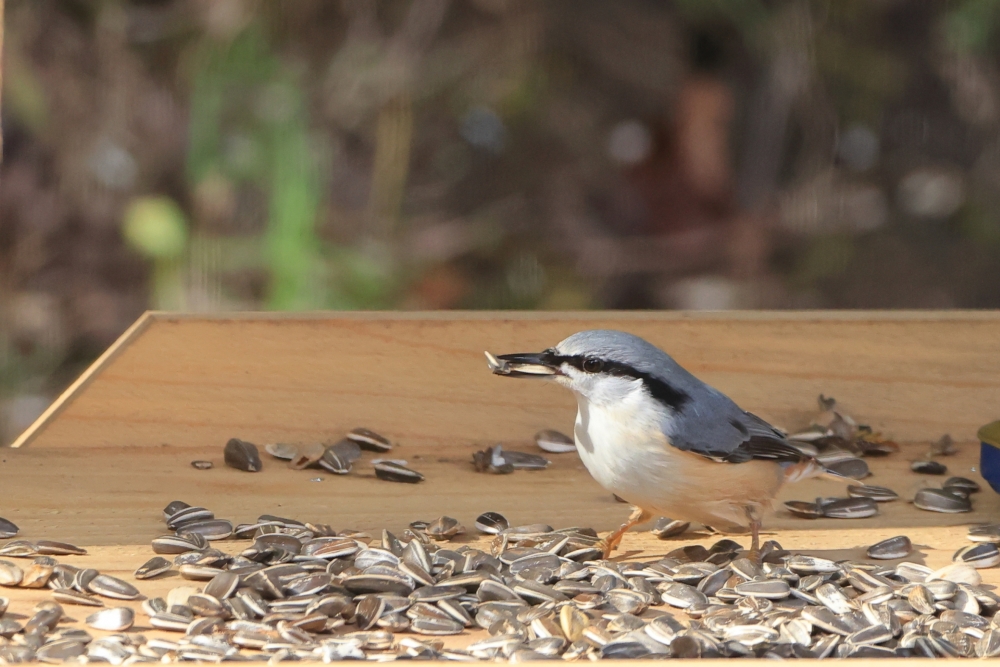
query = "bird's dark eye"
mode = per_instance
[{"x": 593, "y": 365}]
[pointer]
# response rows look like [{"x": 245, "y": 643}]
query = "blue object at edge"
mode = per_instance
[{"x": 989, "y": 465}]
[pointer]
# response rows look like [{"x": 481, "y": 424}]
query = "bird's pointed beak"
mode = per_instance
[{"x": 523, "y": 365}]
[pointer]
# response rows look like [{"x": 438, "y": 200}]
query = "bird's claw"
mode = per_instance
[{"x": 606, "y": 546}]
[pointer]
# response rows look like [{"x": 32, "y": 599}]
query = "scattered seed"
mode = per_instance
[
  {"x": 70, "y": 596},
  {"x": 983, "y": 555},
  {"x": 939, "y": 500},
  {"x": 112, "y": 587},
  {"x": 153, "y": 567},
  {"x": 280, "y": 450},
  {"x": 804, "y": 509},
  {"x": 850, "y": 508},
  {"x": 964, "y": 483},
  {"x": 665, "y": 528},
  {"x": 117, "y": 619},
  {"x": 444, "y": 528},
  {"x": 307, "y": 456},
  {"x": 879, "y": 494},
  {"x": 929, "y": 467},
  {"x": 554, "y": 442},
  {"x": 370, "y": 440},
  {"x": 988, "y": 533},
  {"x": 391, "y": 472},
  {"x": 945, "y": 446},
  {"x": 525, "y": 461},
  {"x": 892, "y": 548},
  {"x": 51, "y": 548},
  {"x": 7, "y": 529},
  {"x": 491, "y": 523},
  {"x": 852, "y": 467},
  {"x": 242, "y": 455},
  {"x": 201, "y": 465}
]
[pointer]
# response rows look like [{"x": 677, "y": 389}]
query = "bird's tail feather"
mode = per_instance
[{"x": 809, "y": 468}]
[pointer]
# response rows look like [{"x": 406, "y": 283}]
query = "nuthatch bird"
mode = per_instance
[{"x": 655, "y": 435}]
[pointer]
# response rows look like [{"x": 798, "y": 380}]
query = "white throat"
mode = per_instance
[{"x": 619, "y": 430}]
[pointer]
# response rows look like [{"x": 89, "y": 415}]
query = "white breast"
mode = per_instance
[{"x": 623, "y": 446}]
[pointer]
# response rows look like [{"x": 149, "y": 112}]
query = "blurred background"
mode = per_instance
[{"x": 217, "y": 155}]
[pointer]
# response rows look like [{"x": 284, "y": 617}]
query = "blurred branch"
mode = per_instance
[{"x": 393, "y": 139}]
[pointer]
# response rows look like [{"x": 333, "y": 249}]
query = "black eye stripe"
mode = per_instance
[{"x": 661, "y": 390}]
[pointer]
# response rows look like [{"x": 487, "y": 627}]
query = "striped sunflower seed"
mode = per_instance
[
  {"x": 891, "y": 548},
  {"x": 554, "y": 442},
  {"x": 117, "y": 619},
  {"x": 391, "y": 472},
  {"x": 929, "y": 467},
  {"x": 879, "y": 494},
  {"x": 282, "y": 451},
  {"x": 153, "y": 567},
  {"x": 850, "y": 508},
  {"x": 7, "y": 529},
  {"x": 983, "y": 555},
  {"x": 242, "y": 455},
  {"x": 939, "y": 500},
  {"x": 988, "y": 533},
  {"x": 370, "y": 440},
  {"x": 665, "y": 528}
]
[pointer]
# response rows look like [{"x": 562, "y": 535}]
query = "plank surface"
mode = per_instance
[
  {"x": 195, "y": 381},
  {"x": 114, "y": 495}
]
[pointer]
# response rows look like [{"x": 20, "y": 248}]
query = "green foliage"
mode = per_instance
[
  {"x": 156, "y": 227},
  {"x": 249, "y": 123},
  {"x": 970, "y": 25},
  {"x": 824, "y": 257}
]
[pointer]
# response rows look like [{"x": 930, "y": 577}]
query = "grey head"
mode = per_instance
[{"x": 604, "y": 366}]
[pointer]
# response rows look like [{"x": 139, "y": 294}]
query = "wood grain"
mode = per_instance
[
  {"x": 114, "y": 495},
  {"x": 190, "y": 381}
]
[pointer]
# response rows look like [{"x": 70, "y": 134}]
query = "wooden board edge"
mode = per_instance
[
  {"x": 88, "y": 376},
  {"x": 558, "y": 315}
]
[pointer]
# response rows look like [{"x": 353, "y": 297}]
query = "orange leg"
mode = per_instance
[{"x": 609, "y": 543}]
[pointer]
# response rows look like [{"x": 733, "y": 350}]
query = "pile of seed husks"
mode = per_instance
[{"x": 304, "y": 591}]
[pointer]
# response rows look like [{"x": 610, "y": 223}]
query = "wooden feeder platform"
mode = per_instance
[{"x": 98, "y": 467}]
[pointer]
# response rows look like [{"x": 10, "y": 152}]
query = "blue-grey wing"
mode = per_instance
[{"x": 715, "y": 427}]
